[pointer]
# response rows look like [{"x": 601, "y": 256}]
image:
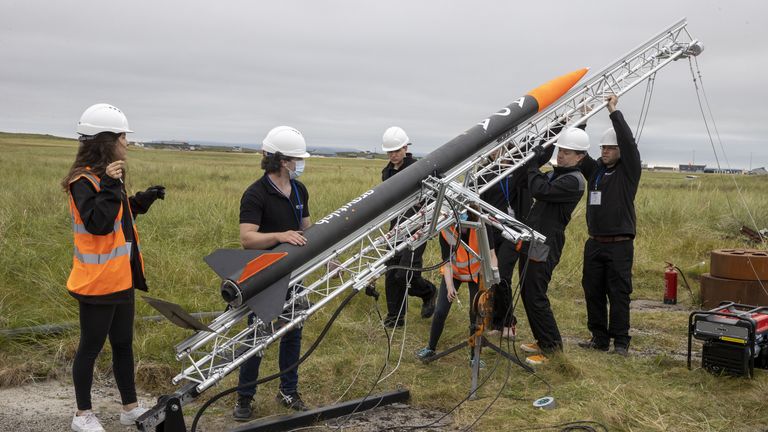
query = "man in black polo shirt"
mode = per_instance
[
  {"x": 611, "y": 220},
  {"x": 274, "y": 210},
  {"x": 397, "y": 281}
]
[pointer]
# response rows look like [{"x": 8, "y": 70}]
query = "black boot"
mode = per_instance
[
  {"x": 428, "y": 307},
  {"x": 243, "y": 410}
]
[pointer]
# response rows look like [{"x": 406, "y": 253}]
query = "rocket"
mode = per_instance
[{"x": 260, "y": 278}]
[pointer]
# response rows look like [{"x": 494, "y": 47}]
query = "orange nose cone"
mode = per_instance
[{"x": 547, "y": 93}]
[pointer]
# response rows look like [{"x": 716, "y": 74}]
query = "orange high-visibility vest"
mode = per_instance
[
  {"x": 465, "y": 266},
  {"x": 101, "y": 264}
]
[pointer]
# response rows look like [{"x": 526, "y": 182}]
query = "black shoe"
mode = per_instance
[
  {"x": 243, "y": 410},
  {"x": 621, "y": 350},
  {"x": 393, "y": 321},
  {"x": 291, "y": 400},
  {"x": 591, "y": 344},
  {"x": 428, "y": 307}
]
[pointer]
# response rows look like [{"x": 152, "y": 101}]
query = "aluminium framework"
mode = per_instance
[{"x": 210, "y": 356}]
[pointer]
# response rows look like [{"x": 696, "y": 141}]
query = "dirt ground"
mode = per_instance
[{"x": 48, "y": 406}]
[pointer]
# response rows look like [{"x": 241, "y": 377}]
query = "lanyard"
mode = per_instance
[
  {"x": 297, "y": 210},
  {"x": 599, "y": 175},
  {"x": 505, "y": 190}
]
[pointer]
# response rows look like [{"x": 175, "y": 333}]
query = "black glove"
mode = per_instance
[
  {"x": 534, "y": 162},
  {"x": 156, "y": 192},
  {"x": 538, "y": 152}
]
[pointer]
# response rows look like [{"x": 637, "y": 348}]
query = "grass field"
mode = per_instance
[{"x": 679, "y": 220}]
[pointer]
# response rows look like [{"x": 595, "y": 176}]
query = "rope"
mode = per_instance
[
  {"x": 645, "y": 108},
  {"x": 722, "y": 148}
]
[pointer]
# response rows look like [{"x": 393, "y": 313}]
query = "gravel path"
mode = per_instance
[{"x": 49, "y": 406}]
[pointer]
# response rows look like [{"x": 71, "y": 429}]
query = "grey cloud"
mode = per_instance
[{"x": 342, "y": 71}]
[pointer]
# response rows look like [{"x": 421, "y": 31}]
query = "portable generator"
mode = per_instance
[{"x": 735, "y": 338}]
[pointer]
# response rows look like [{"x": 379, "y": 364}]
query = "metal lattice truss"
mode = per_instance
[
  {"x": 358, "y": 260},
  {"x": 577, "y": 106}
]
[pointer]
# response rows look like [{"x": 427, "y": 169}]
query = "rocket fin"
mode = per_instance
[
  {"x": 268, "y": 304},
  {"x": 240, "y": 264},
  {"x": 176, "y": 314}
]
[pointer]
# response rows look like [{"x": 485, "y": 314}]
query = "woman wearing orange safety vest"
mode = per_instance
[
  {"x": 107, "y": 265},
  {"x": 464, "y": 266}
]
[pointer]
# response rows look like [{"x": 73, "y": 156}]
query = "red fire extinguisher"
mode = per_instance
[{"x": 670, "y": 284}]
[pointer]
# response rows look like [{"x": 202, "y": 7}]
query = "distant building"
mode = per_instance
[
  {"x": 664, "y": 168},
  {"x": 758, "y": 171},
  {"x": 322, "y": 153},
  {"x": 172, "y": 145},
  {"x": 724, "y": 171},
  {"x": 691, "y": 168},
  {"x": 237, "y": 149}
]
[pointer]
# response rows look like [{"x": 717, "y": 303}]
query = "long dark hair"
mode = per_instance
[{"x": 95, "y": 152}]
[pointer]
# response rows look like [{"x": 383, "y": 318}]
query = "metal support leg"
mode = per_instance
[{"x": 174, "y": 417}]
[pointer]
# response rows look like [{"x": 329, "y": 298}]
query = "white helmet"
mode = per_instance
[
  {"x": 394, "y": 139},
  {"x": 609, "y": 138},
  {"x": 286, "y": 140},
  {"x": 573, "y": 139},
  {"x": 102, "y": 117}
]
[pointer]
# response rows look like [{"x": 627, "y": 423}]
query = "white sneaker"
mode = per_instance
[
  {"x": 128, "y": 418},
  {"x": 86, "y": 423}
]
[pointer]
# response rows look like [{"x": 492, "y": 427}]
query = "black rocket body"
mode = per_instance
[{"x": 243, "y": 284}]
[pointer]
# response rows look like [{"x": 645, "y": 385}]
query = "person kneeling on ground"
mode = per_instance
[{"x": 464, "y": 266}]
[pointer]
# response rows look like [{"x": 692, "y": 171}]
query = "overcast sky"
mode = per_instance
[{"x": 343, "y": 71}]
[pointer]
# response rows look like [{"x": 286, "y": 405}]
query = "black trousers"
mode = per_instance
[
  {"x": 607, "y": 278},
  {"x": 536, "y": 303},
  {"x": 97, "y": 322},
  {"x": 443, "y": 306},
  {"x": 396, "y": 280},
  {"x": 507, "y": 257}
]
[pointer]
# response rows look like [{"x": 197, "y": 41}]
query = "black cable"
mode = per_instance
[
  {"x": 454, "y": 248},
  {"x": 510, "y": 307},
  {"x": 579, "y": 425},
  {"x": 376, "y": 381},
  {"x": 309, "y": 351},
  {"x": 679, "y": 270},
  {"x": 518, "y": 297}
]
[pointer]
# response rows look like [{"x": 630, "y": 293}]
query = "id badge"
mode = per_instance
[
  {"x": 510, "y": 212},
  {"x": 594, "y": 197}
]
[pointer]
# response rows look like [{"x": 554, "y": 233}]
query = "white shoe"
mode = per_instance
[
  {"x": 87, "y": 422},
  {"x": 128, "y": 418}
]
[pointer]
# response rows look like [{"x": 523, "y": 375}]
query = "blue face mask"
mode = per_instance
[
  {"x": 463, "y": 216},
  {"x": 299, "y": 170}
]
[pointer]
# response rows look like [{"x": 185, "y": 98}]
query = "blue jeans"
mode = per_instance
[{"x": 290, "y": 349}]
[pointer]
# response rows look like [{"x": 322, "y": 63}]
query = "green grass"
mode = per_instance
[{"x": 679, "y": 220}]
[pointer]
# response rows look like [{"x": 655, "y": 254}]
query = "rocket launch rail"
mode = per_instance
[{"x": 488, "y": 152}]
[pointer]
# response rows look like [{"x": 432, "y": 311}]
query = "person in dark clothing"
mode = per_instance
[
  {"x": 463, "y": 267},
  {"x": 107, "y": 265},
  {"x": 611, "y": 221},
  {"x": 274, "y": 210},
  {"x": 556, "y": 193},
  {"x": 510, "y": 195},
  {"x": 399, "y": 281}
]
